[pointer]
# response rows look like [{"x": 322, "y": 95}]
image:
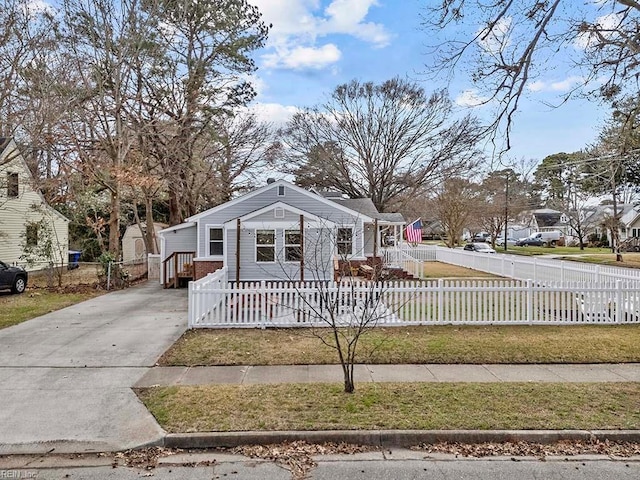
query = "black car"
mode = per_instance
[
  {"x": 530, "y": 242},
  {"x": 14, "y": 278}
]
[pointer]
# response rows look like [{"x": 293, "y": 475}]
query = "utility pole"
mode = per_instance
[
  {"x": 615, "y": 229},
  {"x": 506, "y": 209}
]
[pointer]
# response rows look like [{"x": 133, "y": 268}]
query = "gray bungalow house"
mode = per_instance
[{"x": 279, "y": 232}]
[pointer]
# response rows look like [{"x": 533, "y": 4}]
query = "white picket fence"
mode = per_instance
[
  {"x": 215, "y": 302},
  {"x": 539, "y": 270}
]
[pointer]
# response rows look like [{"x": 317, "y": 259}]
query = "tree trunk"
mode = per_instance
[
  {"x": 114, "y": 223},
  {"x": 152, "y": 247}
]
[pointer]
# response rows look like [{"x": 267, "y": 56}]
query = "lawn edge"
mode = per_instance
[{"x": 393, "y": 438}]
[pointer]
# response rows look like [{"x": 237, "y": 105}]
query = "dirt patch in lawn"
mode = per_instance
[{"x": 403, "y": 345}]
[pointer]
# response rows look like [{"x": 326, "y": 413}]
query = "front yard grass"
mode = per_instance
[
  {"x": 436, "y": 270},
  {"x": 402, "y": 345},
  {"x": 414, "y": 406},
  {"x": 630, "y": 260},
  {"x": 16, "y": 309}
]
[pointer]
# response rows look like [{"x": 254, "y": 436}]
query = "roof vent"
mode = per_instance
[{"x": 270, "y": 181}]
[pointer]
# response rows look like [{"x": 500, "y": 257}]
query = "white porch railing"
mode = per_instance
[
  {"x": 214, "y": 302},
  {"x": 397, "y": 257}
]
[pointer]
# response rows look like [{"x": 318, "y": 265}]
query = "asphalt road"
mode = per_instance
[{"x": 347, "y": 469}]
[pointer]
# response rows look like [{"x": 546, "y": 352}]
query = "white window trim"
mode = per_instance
[
  {"x": 279, "y": 212},
  {"x": 284, "y": 190},
  {"x": 206, "y": 251},
  {"x": 255, "y": 248},
  {"x": 285, "y": 244}
]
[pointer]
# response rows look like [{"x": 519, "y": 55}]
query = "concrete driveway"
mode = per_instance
[{"x": 66, "y": 376}]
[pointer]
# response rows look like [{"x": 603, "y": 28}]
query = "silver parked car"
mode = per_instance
[{"x": 479, "y": 247}]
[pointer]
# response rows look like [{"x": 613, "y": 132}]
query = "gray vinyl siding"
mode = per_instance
[
  {"x": 369, "y": 234},
  {"x": 269, "y": 216},
  {"x": 307, "y": 202},
  {"x": 182, "y": 240},
  {"x": 318, "y": 257}
]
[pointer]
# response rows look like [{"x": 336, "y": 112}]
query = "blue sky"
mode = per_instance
[{"x": 317, "y": 44}]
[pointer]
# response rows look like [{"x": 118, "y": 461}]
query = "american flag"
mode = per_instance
[{"x": 413, "y": 232}]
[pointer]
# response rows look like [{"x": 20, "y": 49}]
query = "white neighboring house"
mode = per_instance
[{"x": 25, "y": 217}]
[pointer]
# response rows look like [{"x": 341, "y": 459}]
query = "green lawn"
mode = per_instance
[
  {"x": 553, "y": 250},
  {"x": 16, "y": 309},
  {"x": 437, "y": 344},
  {"x": 413, "y": 406}
]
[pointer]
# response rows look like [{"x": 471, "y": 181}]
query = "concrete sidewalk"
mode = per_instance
[{"x": 247, "y": 375}]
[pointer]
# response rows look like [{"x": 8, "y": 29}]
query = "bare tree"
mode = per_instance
[
  {"x": 242, "y": 144},
  {"x": 204, "y": 56},
  {"x": 380, "y": 141},
  {"x": 334, "y": 306},
  {"x": 506, "y": 44},
  {"x": 502, "y": 196},
  {"x": 454, "y": 204}
]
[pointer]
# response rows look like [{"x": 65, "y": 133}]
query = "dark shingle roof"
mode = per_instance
[
  {"x": 361, "y": 205},
  {"x": 366, "y": 207}
]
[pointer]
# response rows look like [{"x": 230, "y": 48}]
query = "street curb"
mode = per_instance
[{"x": 393, "y": 438}]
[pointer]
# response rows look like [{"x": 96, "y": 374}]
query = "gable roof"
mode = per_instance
[
  {"x": 4, "y": 146},
  {"x": 546, "y": 217},
  {"x": 284, "y": 206},
  {"x": 276, "y": 184}
]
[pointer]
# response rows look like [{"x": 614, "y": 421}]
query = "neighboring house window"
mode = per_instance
[
  {"x": 32, "y": 235},
  {"x": 281, "y": 190},
  {"x": 636, "y": 232},
  {"x": 12, "y": 185},
  {"x": 265, "y": 245},
  {"x": 345, "y": 241},
  {"x": 216, "y": 241},
  {"x": 279, "y": 213},
  {"x": 292, "y": 250}
]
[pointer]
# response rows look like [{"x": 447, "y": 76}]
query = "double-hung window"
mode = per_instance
[
  {"x": 344, "y": 241},
  {"x": 31, "y": 235},
  {"x": 216, "y": 241},
  {"x": 292, "y": 246},
  {"x": 265, "y": 245},
  {"x": 13, "y": 185}
]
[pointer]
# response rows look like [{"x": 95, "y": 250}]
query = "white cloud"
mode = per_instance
[
  {"x": 34, "y": 7},
  {"x": 607, "y": 23},
  {"x": 303, "y": 58},
  {"x": 298, "y": 24},
  {"x": 557, "y": 86},
  {"x": 470, "y": 98},
  {"x": 274, "y": 113},
  {"x": 495, "y": 40}
]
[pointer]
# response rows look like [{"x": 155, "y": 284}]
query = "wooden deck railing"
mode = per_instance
[{"x": 176, "y": 266}]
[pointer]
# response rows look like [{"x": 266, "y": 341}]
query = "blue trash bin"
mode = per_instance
[{"x": 74, "y": 258}]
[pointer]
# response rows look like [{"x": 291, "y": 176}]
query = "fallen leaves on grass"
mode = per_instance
[
  {"x": 520, "y": 449},
  {"x": 297, "y": 456}
]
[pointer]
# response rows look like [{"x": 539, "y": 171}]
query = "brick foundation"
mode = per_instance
[{"x": 202, "y": 268}]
